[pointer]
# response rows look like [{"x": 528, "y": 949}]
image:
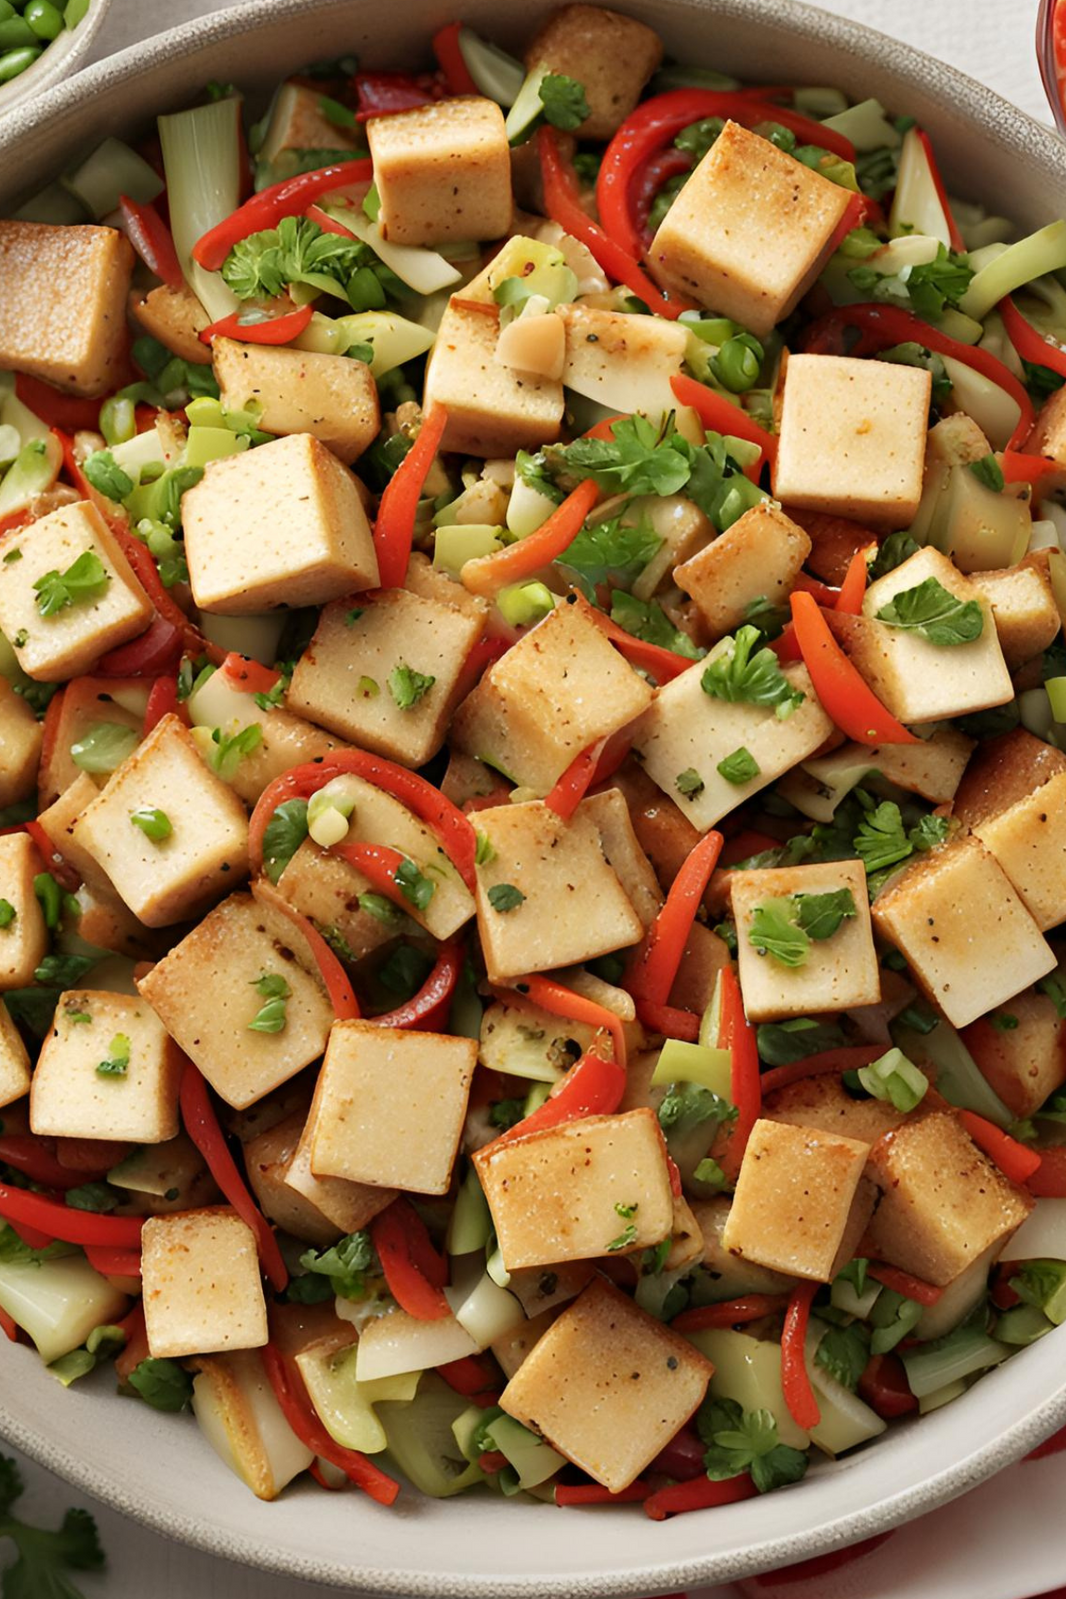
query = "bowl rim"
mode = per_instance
[{"x": 971, "y": 101}]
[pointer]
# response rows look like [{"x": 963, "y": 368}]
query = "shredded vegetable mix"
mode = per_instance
[{"x": 532, "y": 774}]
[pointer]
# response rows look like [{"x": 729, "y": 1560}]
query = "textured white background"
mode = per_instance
[{"x": 943, "y": 1558}]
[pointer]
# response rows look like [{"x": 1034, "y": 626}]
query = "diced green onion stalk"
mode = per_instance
[
  {"x": 425, "y": 271},
  {"x": 118, "y": 421},
  {"x": 677, "y": 76},
  {"x": 34, "y": 471},
  {"x": 329, "y": 813},
  {"x": 526, "y": 106},
  {"x": 113, "y": 169},
  {"x": 10, "y": 444},
  {"x": 957, "y": 1075},
  {"x": 710, "y": 1067},
  {"x": 14, "y": 62},
  {"x": 498, "y": 75},
  {"x": 104, "y": 747},
  {"x": 896, "y": 1079},
  {"x": 58, "y": 1302},
  {"x": 201, "y": 159},
  {"x": 523, "y": 604},
  {"x": 962, "y": 1353},
  {"x": 1042, "y": 252},
  {"x": 471, "y": 1222},
  {"x": 866, "y": 125},
  {"x": 393, "y": 339},
  {"x": 481, "y": 1306},
  {"x": 460, "y": 542}
]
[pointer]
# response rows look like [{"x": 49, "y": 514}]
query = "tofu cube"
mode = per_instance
[
  {"x": 749, "y": 232},
  {"x": 824, "y": 1104},
  {"x": 176, "y": 318},
  {"x": 917, "y": 680},
  {"x": 1028, "y": 840},
  {"x": 560, "y": 688},
  {"x": 443, "y": 172},
  {"x": 609, "y": 811},
  {"x": 852, "y": 437},
  {"x": 70, "y": 640},
  {"x": 1048, "y": 437},
  {"x": 758, "y": 558},
  {"x": 686, "y": 729},
  {"x": 1003, "y": 771},
  {"x": 72, "y": 1098},
  {"x": 794, "y": 1199},
  {"x": 14, "y": 1061},
  {"x": 1026, "y": 1063},
  {"x": 608, "y": 1386},
  {"x": 89, "y": 703},
  {"x": 239, "y": 1415},
  {"x": 282, "y": 524},
  {"x": 21, "y": 740},
  {"x": 731, "y": 1275},
  {"x": 932, "y": 768},
  {"x": 211, "y": 1020},
  {"x": 666, "y": 836},
  {"x": 391, "y": 1106},
  {"x": 298, "y": 122},
  {"x": 1023, "y": 609},
  {"x": 362, "y": 675},
  {"x": 59, "y": 820},
  {"x": 170, "y": 879},
  {"x": 965, "y": 932},
  {"x": 621, "y": 360},
  {"x": 839, "y": 973},
  {"x": 592, "y": 1187},
  {"x": 573, "y": 906},
  {"x": 75, "y": 338},
  {"x": 493, "y": 410},
  {"x": 267, "y": 1160},
  {"x": 611, "y": 56},
  {"x": 202, "y": 1289},
  {"x": 943, "y": 1202},
  {"x": 328, "y": 396},
  {"x": 323, "y": 887},
  {"x": 24, "y": 939},
  {"x": 345, "y": 1205}
]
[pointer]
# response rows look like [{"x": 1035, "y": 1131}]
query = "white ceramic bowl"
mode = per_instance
[
  {"x": 63, "y": 57},
  {"x": 158, "y": 1468}
]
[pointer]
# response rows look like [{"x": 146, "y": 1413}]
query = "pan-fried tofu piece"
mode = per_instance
[
  {"x": 920, "y": 681},
  {"x": 204, "y": 853},
  {"x": 283, "y": 524},
  {"x": 547, "y": 897},
  {"x": 73, "y": 637},
  {"x": 390, "y": 1106},
  {"x": 81, "y": 1089},
  {"x": 513, "y": 1347},
  {"x": 1021, "y": 1051},
  {"x": 176, "y": 318},
  {"x": 387, "y": 675},
  {"x": 622, "y": 361},
  {"x": 329, "y": 396},
  {"x": 1048, "y": 436},
  {"x": 666, "y": 836},
  {"x": 287, "y": 740},
  {"x": 267, "y": 1160},
  {"x": 852, "y": 437},
  {"x": 346, "y": 1205},
  {"x": 211, "y": 1018},
  {"x": 74, "y": 336},
  {"x": 825, "y": 1104},
  {"x": 90, "y": 703},
  {"x": 608, "y": 809},
  {"x": 298, "y": 122},
  {"x": 611, "y": 56},
  {"x": 943, "y": 1202},
  {"x": 1029, "y": 842},
  {"x": 239, "y": 1415},
  {"x": 105, "y": 921},
  {"x": 687, "y": 730},
  {"x": 21, "y": 739},
  {"x": 749, "y": 232},
  {"x": 1001, "y": 772},
  {"x": 758, "y": 558},
  {"x": 794, "y": 1200},
  {"x": 932, "y": 768},
  {"x": 839, "y": 973},
  {"x": 608, "y": 1386},
  {"x": 592, "y": 1187},
  {"x": 731, "y": 1275},
  {"x": 322, "y": 886},
  {"x": 202, "y": 1289},
  {"x": 59, "y": 822},
  {"x": 965, "y": 932},
  {"x": 443, "y": 172},
  {"x": 24, "y": 936},
  {"x": 559, "y": 689},
  {"x": 1023, "y": 609},
  {"x": 14, "y": 1061},
  {"x": 492, "y": 409}
]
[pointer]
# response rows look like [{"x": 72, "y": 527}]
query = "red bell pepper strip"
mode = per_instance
[
  {"x": 394, "y": 529},
  {"x": 66, "y": 875},
  {"x": 151, "y": 239},
  {"x": 645, "y": 186},
  {"x": 476, "y": 1377},
  {"x": 266, "y": 209},
  {"x": 591, "y": 1493},
  {"x": 247, "y": 676},
  {"x": 272, "y": 330},
  {"x": 574, "y": 784},
  {"x": 1049, "y": 1179},
  {"x": 1031, "y": 345},
  {"x": 795, "y": 1381},
  {"x": 487, "y": 573},
  {"x": 1019, "y": 467},
  {"x": 16, "y": 520},
  {"x": 592, "y": 1087},
  {"x": 428, "y": 1009},
  {"x": 849, "y": 599},
  {"x": 615, "y": 753},
  {"x": 558, "y": 1000},
  {"x": 720, "y": 415},
  {"x": 113, "y": 1262},
  {"x": 379, "y": 865},
  {"x": 25, "y": 1210},
  {"x": 828, "y": 1063},
  {"x": 901, "y": 1282},
  {"x": 664, "y": 665},
  {"x": 844, "y": 694},
  {"x": 884, "y": 1387},
  {"x": 154, "y": 651},
  {"x": 328, "y": 224},
  {"x": 32, "y": 1157},
  {"x": 162, "y": 701},
  {"x": 1013, "y": 1159},
  {"x": 562, "y": 203},
  {"x": 337, "y": 983},
  {"x": 201, "y": 1124},
  {"x": 736, "y": 1034},
  {"x": 652, "y": 976},
  {"x": 284, "y": 1377},
  {"x": 733, "y": 1314},
  {"x": 670, "y": 1020},
  {"x": 9, "y": 1326},
  {"x": 382, "y": 94},
  {"x": 955, "y": 238},
  {"x": 699, "y": 1494},
  {"x": 449, "y": 56},
  {"x": 414, "y": 1273},
  {"x": 57, "y": 409},
  {"x": 823, "y": 594}
]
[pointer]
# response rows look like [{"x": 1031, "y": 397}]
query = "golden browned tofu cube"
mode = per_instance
[
  {"x": 239, "y": 1415},
  {"x": 932, "y": 768},
  {"x": 749, "y": 232},
  {"x": 597, "y": 1186},
  {"x": 943, "y": 1202},
  {"x": 95, "y": 702},
  {"x": 852, "y": 437},
  {"x": 825, "y": 1104},
  {"x": 611, "y": 56},
  {"x": 202, "y": 1289},
  {"x": 59, "y": 822},
  {"x": 547, "y": 897},
  {"x": 346, "y": 1205},
  {"x": 267, "y": 1160},
  {"x": 21, "y": 738},
  {"x": 63, "y": 313},
  {"x": 1021, "y": 1051},
  {"x": 322, "y": 886},
  {"x": 608, "y": 1386},
  {"x": 965, "y": 932},
  {"x": 24, "y": 935},
  {"x": 443, "y": 172},
  {"x": 1023, "y": 609},
  {"x": 387, "y": 675},
  {"x": 212, "y": 1019},
  {"x": 375, "y": 1082},
  {"x": 282, "y": 524},
  {"x": 328, "y": 396},
  {"x": 667, "y": 837},
  {"x": 1048, "y": 436},
  {"x": 1029, "y": 842},
  {"x": 609, "y": 811},
  {"x": 621, "y": 360},
  {"x": 560, "y": 688},
  {"x": 14, "y": 1061},
  {"x": 839, "y": 972},
  {"x": 72, "y": 637},
  {"x": 794, "y": 1199},
  {"x": 298, "y": 121},
  {"x": 492, "y": 409},
  {"x": 176, "y": 318},
  {"x": 107, "y": 1069},
  {"x": 730, "y": 1274},
  {"x": 758, "y": 558},
  {"x": 1001, "y": 772}
]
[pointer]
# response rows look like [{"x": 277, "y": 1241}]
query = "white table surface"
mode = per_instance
[{"x": 992, "y": 41}]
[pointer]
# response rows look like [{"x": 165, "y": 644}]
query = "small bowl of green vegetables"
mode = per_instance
[{"x": 41, "y": 42}]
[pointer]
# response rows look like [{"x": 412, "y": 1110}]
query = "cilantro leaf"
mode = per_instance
[
  {"x": 689, "y": 783},
  {"x": 407, "y": 686},
  {"x": 505, "y": 897},
  {"x": 44, "y": 1557},
  {"x": 843, "y": 1353},
  {"x": 416, "y": 888},
  {"x": 740, "y": 1441},
  {"x": 821, "y": 914},
  {"x": 84, "y": 580},
  {"x": 929, "y": 832},
  {"x": 612, "y": 552},
  {"x": 285, "y": 832},
  {"x": 639, "y": 458},
  {"x": 938, "y": 283},
  {"x": 230, "y": 752},
  {"x": 882, "y": 840},
  {"x": 647, "y": 620},
  {"x": 345, "y": 1264},
  {"x": 63, "y": 971},
  {"x": 775, "y": 931},
  {"x": 989, "y": 472},
  {"x": 564, "y": 102},
  {"x": 781, "y": 1043},
  {"x": 686, "y": 1105},
  {"x": 740, "y": 767},
  {"x": 747, "y": 670},
  {"x": 163, "y": 1384},
  {"x": 271, "y": 1017},
  {"x": 263, "y": 264},
  {"x": 939, "y": 616},
  {"x": 892, "y": 552},
  {"x": 106, "y": 476}
]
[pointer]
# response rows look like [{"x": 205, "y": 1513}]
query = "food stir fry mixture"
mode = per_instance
[{"x": 533, "y": 746}]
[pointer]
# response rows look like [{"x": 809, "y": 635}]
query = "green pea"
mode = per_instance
[
  {"x": 45, "y": 20},
  {"x": 16, "y": 33},
  {"x": 6, "y": 10},
  {"x": 364, "y": 290},
  {"x": 118, "y": 421},
  {"x": 12, "y": 62},
  {"x": 737, "y": 363},
  {"x": 74, "y": 11}
]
